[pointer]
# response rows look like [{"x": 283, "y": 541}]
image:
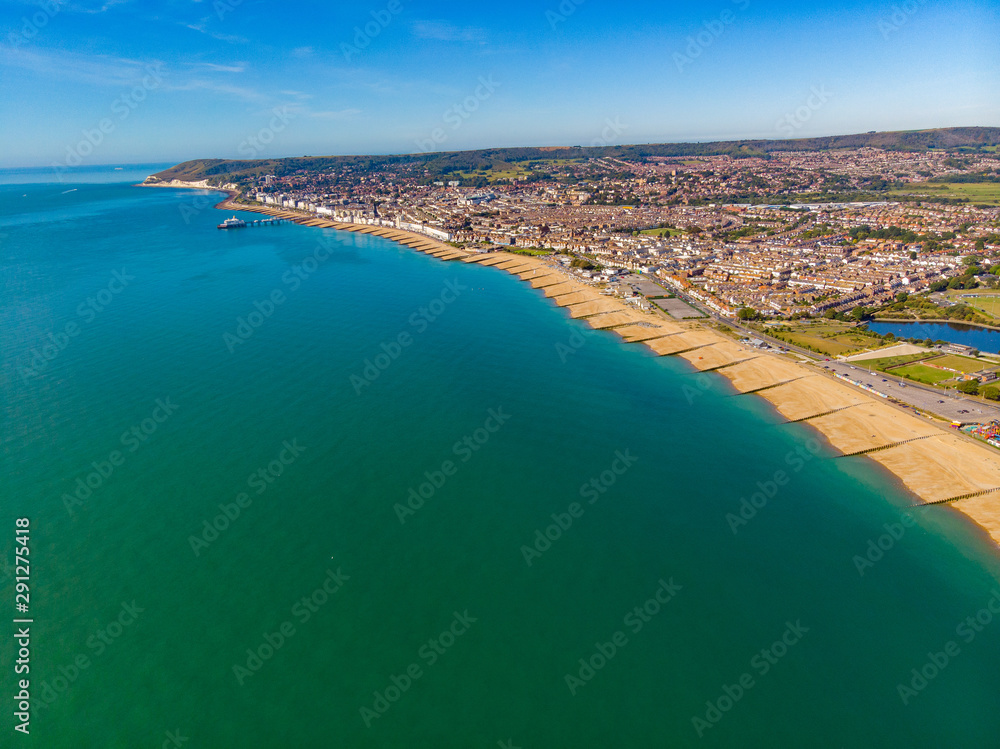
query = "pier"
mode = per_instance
[{"x": 238, "y": 223}]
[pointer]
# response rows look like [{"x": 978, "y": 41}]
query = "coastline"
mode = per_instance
[{"x": 934, "y": 463}]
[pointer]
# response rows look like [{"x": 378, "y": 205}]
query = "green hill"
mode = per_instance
[{"x": 443, "y": 164}]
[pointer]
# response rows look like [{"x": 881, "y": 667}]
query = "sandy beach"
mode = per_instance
[{"x": 934, "y": 462}]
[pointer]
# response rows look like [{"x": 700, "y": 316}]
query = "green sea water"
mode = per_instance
[{"x": 572, "y": 498}]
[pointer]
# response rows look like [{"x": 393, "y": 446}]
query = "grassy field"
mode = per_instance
[
  {"x": 984, "y": 193},
  {"x": 825, "y": 346},
  {"x": 662, "y": 232},
  {"x": 988, "y": 303},
  {"x": 829, "y": 338},
  {"x": 518, "y": 170},
  {"x": 526, "y": 251},
  {"x": 961, "y": 364},
  {"x": 891, "y": 361},
  {"x": 924, "y": 374}
]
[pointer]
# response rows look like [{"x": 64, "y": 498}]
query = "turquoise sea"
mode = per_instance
[{"x": 284, "y": 486}]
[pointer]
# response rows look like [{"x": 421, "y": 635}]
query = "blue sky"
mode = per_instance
[{"x": 124, "y": 81}]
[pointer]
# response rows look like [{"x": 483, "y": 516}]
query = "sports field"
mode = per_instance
[
  {"x": 922, "y": 373},
  {"x": 988, "y": 303}
]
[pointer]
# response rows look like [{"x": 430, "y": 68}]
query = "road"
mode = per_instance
[
  {"x": 945, "y": 404},
  {"x": 942, "y": 403}
]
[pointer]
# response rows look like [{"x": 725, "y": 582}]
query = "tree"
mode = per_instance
[
  {"x": 980, "y": 245},
  {"x": 991, "y": 393},
  {"x": 969, "y": 387},
  {"x": 748, "y": 313}
]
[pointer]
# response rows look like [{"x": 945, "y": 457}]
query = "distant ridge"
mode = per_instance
[{"x": 222, "y": 170}]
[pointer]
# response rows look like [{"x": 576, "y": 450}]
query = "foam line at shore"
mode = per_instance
[{"x": 935, "y": 463}]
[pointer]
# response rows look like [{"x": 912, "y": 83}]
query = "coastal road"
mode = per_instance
[
  {"x": 737, "y": 326},
  {"x": 945, "y": 404},
  {"x": 942, "y": 403}
]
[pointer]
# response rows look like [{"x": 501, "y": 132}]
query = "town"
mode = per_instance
[{"x": 731, "y": 233}]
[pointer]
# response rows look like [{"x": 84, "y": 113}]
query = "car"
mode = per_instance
[
  {"x": 940, "y": 401},
  {"x": 884, "y": 380}
]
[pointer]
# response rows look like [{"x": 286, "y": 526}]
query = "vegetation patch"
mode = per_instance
[
  {"x": 962, "y": 364},
  {"x": 983, "y": 193},
  {"x": 923, "y": 373},
  {"x": 888, "y": 363}
]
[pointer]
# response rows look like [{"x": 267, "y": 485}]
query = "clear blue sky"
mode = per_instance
[{"x": 558, "y": 77}]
